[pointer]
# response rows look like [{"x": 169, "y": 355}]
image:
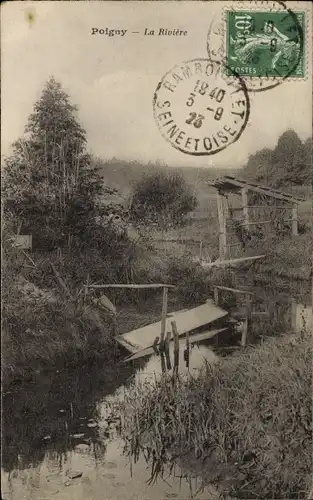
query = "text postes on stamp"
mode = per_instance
[
  {"x": 264, "y": 43},
  {"x": 199, "y": 109}
]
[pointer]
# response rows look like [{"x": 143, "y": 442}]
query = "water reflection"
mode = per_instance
[
  {"x": 61, "y": 437},
  {"x": 60, "y": 432}
]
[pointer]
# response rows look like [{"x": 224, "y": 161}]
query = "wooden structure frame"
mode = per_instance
[
  {"x": 136, "y": 286},
  {"x": 231, "y": 185},
  {"x": 247, "y": 320}
]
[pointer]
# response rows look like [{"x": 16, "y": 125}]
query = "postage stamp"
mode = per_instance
[
  {"x": 262, "y": 44},
  {"x": 199, "y": 109}
]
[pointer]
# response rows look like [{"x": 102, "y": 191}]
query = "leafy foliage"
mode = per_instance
[
  {"x": 50, "y": 185},
  {"x": 163, "y": 199},
  {"x": 289, "y": 163}
]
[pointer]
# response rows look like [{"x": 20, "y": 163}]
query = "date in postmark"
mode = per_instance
[{"x": 199, "y": 109}]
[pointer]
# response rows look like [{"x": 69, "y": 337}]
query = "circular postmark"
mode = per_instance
[
  {"x": 262, "y": 41},
  {"x": 199, "y": 109}
]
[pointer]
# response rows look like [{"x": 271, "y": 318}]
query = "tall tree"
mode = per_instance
[
  {"x": 289, "y": 163},
  {"x": 51, "y": 186}
]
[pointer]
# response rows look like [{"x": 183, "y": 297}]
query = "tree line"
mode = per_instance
[{"x": 289, "y": 163}]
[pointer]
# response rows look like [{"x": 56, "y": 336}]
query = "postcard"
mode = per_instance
[{"x": 157, "y": 255}]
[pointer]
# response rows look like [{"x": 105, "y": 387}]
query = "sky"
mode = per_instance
[{"x": 112, "y": 79}]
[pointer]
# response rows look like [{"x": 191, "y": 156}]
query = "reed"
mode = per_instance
[{"x": 246, "y": 421}]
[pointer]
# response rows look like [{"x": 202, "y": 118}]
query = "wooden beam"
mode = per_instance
[
  {"x": 187, "y": 350},
  {"x": 176, "y": 346},
  {"x": 235, "y": 290},
  {"x": 192, "y": 339},
  {"x": 200, "y": 251},
  {"x": 149, "y": 285},
  {"x": 167, "y": 351},
  {"x": 219, "y": 263},
  {"x": 222, "y": 226},
  {"x": 60, "y": 281},
  {"x": 244, "y": 198},
  {"x": 164, "y": 314},
  {"x": 247, "y": 322},
  {"x": 257, "y": 222},
  {"x": 279, "y": 195},
  {"x": 236, "y": 209},
  {"x": 216, "y": 297},
  {"x": 295, "y": 220}
]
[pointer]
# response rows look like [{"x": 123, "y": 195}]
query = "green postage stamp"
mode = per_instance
[{"x": 265, "y": 44}]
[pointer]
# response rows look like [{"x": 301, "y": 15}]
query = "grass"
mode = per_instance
[
  {"x": 245, "y": 423},
  {"x": 36, "y": 334},
  {"x": 288, "y": 256},
  {"x": 45, "y": 326}
]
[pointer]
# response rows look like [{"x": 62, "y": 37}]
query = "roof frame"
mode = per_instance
[{"x": 232, "y": 184}]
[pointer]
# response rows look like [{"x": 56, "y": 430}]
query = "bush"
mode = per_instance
[{"x": 163, "y": 199}]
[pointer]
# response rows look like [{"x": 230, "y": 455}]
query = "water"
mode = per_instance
[
  {"x": 61, "y": 425},
  {"x": 60, "y": 435}
]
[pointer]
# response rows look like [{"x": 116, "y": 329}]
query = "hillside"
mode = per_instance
[{"x": 122, "y": 175}]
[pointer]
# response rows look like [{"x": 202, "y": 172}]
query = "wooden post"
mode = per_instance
[
  {"x": 176, "y": 346},
  {"x": 167, "y": 351},
  {"x": 163, "y": 366},
  {"x": 200, "y": 252},
  {"x": 247, "y": 322},
  {"x": 245, "y": 209},
  {"x": 244, "y": 333},
  {"x": 187, "y": 350},
  {"x": 222, "y": 226},
  {"x": 294, "y": 220},
  {"x": 61, "y": 282},
  {"x": 155, "y": 345},
  {"x": 163, "y": 318},
  {"x": 293, "y": 315},
  {"x": 216, "y": 295}
]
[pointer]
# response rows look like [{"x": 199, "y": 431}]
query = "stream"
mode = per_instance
[{"x": 60, "y": 434}]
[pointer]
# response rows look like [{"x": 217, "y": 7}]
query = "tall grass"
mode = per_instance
[{"x": 246, "y": 421}]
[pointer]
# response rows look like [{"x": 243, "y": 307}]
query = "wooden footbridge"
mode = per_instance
[{"x": 197, "y": 324}]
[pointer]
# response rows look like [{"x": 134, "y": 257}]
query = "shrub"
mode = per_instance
[{"x": 162, "y": 198}]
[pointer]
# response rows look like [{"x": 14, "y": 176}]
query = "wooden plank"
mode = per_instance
[
  {"x": 60, "y": 281},
  {"x": 279, "y": 195},
  {"x": 192, "y": 340},
  {"x": 200, "y": 251},
  {"x": 186, "y": 321},
  {"x": 176, "y": 346},
  {"x": 222, "y": 226},
  {"x": 294, "y": 220},
  {"x": 231, "y": 262},
  {"x": 257, "y": 222},
  {"x": 149, "y": 285},
  {"x": 244, "y": 197},
  {"x": 22, "y": 241},
  {"x": 167, "y": 351},
  {"x": 164, "y": 313},
  {"x": 235, "y": 290},
  {"x": 216, "y": 297}
]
